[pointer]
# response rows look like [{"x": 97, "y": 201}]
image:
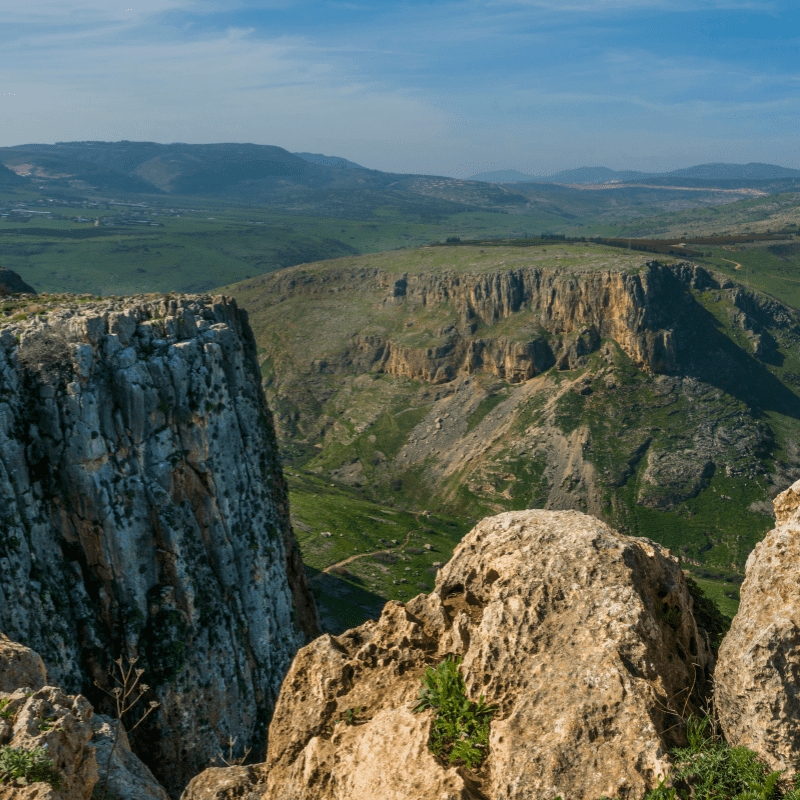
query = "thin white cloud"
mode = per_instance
[{"x": 605, "y": 6}]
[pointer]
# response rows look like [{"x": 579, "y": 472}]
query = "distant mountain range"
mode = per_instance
[
  {"x": 331, "y": 186},
  {"x": 243, "y": 173},
  {"x": 595, "y": 175}
]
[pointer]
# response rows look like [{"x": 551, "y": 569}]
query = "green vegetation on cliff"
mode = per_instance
[{"x": 441, "y": 379}]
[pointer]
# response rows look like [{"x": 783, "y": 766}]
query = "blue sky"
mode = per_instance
[{"x": 431, "y": 86}]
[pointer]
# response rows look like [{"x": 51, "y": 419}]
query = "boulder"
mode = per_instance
[
  {"x": 59, "y": 723},
  {"x": 758, "y": 674},
  {"x": 128, "y": 778},
  {"x": 224, "y": 783},
  {"x": 20, "y": 667},
  {"x": 584, "y": 640}
]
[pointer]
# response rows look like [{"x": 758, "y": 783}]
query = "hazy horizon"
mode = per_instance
[{"x": 443, "y": 88}]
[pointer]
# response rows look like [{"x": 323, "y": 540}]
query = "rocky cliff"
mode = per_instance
[
  {"x": 758, "y": 676},
  {"x": 660, "y": 397},
  {"x": 144, "y": 514},
  {"x": 583, "y": 640}
]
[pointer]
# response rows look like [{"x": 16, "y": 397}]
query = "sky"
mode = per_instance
[{"x": 425, "y": 86}]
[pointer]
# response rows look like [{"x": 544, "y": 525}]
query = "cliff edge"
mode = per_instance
[{"x": 144, "y": 514}]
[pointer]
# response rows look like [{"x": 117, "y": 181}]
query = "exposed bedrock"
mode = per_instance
[
  {"x": 758, "y": 675},
  {"x": 144, "y": 514},
  {"x": 79, "y": 744},
  {"x": 582, "y": 637},
  {"x": 569, "y": 312}
]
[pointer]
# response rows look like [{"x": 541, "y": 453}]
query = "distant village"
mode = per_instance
[{"x": 101, "y": 213}]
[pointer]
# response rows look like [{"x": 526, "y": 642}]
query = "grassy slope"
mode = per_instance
[{"x": 358, "y": 592}]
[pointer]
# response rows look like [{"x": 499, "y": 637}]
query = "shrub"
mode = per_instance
[
  {"x": 45, "y": 352},
  {"x": 27, "y": 766},
  {"x": 460, "y": 730}
]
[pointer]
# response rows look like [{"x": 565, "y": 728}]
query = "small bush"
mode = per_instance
[
  {"x": 460, "y": 731},
  {"x": 45, "y": 352},
  {"x": 27, "y": 766}
]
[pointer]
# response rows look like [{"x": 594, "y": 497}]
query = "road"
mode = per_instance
[{"x": 373, "y": 553}]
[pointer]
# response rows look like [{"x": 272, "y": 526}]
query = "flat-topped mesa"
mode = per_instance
[
  {"x": 145, "y": 514},
  {"x": 561, "y": 315}
]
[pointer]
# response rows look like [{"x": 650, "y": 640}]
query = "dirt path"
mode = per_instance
[
  {"x": 736, "y": 264},
  {"x": 373, "y": 553}
]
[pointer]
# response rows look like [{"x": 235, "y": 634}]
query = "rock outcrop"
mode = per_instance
[
  {"x": 583, "y": 638},
  {"x": 85, "y": 751},
  {"x": 144, "y": 514},
  {"x": 758, "y": 674}
]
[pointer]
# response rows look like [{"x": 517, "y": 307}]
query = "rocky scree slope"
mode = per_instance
[
  {"x": 660, "y": 397},
  {"x": 584, "y": 640},
  {"x": 144, "y": 514}
]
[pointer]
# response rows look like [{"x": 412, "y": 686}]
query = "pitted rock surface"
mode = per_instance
[
  {"x": 758, "y": 674},
  {"x": 79, "y": 743},
  {"x": 144, "y": 513},
  {"x": 582, "y": 637},
  {"x": 224, "y": 783},
  {"x": 20, "y": 667},
  {"x": 50, "y": 719}
]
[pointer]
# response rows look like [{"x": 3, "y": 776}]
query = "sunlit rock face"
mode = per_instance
[
  {"x": 143, "y": 513},
  {"x": 758, "y": 675},
  {"x": 582, "y": 638}
]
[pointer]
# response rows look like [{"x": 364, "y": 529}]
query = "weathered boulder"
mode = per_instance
[
  {"x": 126, "y": 777},
  {"x": 758, "y": 674},
  {"x": 62, "y": 725},
  {"x": 20, "y": 667},
  {"x": 582, "y": 637},
  {"x": 144, "y": 514},
  {"x": 224, "y": 783},
  {"x": 79, "y": 743}
]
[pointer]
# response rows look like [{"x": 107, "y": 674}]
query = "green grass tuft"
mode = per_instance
[{"x": 460, "y": 730}]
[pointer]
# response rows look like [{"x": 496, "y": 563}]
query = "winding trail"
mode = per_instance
[
  {"x": 374, "y": 552},
  {"x": 736, "y": 265}
]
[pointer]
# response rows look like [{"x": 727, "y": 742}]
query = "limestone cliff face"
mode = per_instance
[
  {"x": 567, "y": 314},
  {"x": 144, "y": 514}
]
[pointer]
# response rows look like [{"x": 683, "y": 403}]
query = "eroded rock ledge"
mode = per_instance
[
  {"x": 583, "y": 638},
  {"x": 144, "y": 514}
]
